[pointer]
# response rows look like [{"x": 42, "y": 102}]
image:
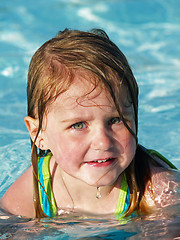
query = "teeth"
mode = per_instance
[{"x": 100, "y": 161}]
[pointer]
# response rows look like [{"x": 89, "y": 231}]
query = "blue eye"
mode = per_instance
[
  {"x": 79, "y": 125},
  {"x": 114, "y": 120}
]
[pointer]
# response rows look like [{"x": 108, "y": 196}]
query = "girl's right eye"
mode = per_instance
[{"x": 79, "y": 125}]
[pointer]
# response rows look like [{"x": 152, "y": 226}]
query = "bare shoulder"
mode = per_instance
[
  {"x": 18, "y": 199},
  {"x": 165, "y": 186}
]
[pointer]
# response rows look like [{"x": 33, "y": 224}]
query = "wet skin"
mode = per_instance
[{"x": 86, "y": 136}]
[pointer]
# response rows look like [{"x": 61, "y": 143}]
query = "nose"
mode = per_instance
[{"x": 101, "y": 139}]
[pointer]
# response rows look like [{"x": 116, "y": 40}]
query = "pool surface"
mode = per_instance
[{"x": 148, "y": 33}]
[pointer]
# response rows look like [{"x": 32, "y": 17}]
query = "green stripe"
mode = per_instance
[
  {"x": 47, "y": 185},
  {"x": 39, "y": 188},
  {"x": 122, "y": 196},
  {"x": 157, "y": 154}
]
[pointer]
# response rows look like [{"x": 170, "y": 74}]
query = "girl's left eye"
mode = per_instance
[
  {"x": 114, "y": 120},
  {"x": 79, "y": 125}
]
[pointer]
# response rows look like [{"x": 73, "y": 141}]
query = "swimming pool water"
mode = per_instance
[
  {"x": 148, "y": 32},
  {"x": 162, "y": 225}
]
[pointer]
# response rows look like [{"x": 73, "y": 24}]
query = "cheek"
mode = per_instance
[
  {"x": 67, "y": 151},
  {"x": 130, "y": 143},
  {"x": 127, "y": 143},
  {"x": 130, "y": 149},
  {"x": 123, "y": 136}
]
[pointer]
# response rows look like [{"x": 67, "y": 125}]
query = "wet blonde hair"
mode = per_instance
[{"x": 51, "y": 72}]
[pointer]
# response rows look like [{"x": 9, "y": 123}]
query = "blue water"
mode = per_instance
[{"x": 148, "y": 32}]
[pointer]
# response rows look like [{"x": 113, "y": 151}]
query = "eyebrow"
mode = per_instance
[
  {"x": 84, "y": 118},
  {"x": 78, "y": 119}
]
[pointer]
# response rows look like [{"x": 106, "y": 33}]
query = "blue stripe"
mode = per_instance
[
  {"x": 45, "y": 202},
  {"x": 126, "y": 205}
]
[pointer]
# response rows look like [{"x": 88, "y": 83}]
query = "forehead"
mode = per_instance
[
  {"x": 82, "y": 94},
  {"x": 86, "y": 91}
]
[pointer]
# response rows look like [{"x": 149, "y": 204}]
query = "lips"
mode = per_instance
[{"x": 101, "y": 162}]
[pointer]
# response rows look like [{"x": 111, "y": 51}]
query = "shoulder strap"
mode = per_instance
[
  {"x": 46, "y": 195},
  {"x": 122, "y": 196},
  {"x": 158, "y": 155}
]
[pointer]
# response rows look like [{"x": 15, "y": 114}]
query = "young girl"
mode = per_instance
[{"x": 83, "y": 123}]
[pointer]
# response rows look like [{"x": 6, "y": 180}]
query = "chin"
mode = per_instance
[{"x": 102, "y": 182}]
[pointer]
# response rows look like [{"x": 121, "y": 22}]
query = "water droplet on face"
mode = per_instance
[{"x": 98, "y": 194}]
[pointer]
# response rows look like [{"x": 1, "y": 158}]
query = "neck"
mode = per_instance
[{"x": 83, "y": 196}]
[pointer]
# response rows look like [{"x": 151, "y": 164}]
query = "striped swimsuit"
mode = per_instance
[{"x": 48, "y": 204}]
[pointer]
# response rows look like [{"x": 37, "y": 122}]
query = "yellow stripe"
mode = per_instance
[
  {"x": 47, "y": 183},
  {"x": 39, "y": 188},
  {"x": 122, "y": 196}
]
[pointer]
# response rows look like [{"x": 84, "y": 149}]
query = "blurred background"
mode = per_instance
[{"x": 147, "y": 32}]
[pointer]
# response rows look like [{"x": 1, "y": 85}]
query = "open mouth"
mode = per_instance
[{"x": 101, "y": 163}]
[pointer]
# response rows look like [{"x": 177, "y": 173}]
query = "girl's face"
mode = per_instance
[{"x": 86, "y": 136}]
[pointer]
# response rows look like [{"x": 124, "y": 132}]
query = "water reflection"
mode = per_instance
[{"x": 163, "y": 224}]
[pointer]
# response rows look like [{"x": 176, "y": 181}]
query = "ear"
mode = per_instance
[{"x": 32, "y": 125}]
